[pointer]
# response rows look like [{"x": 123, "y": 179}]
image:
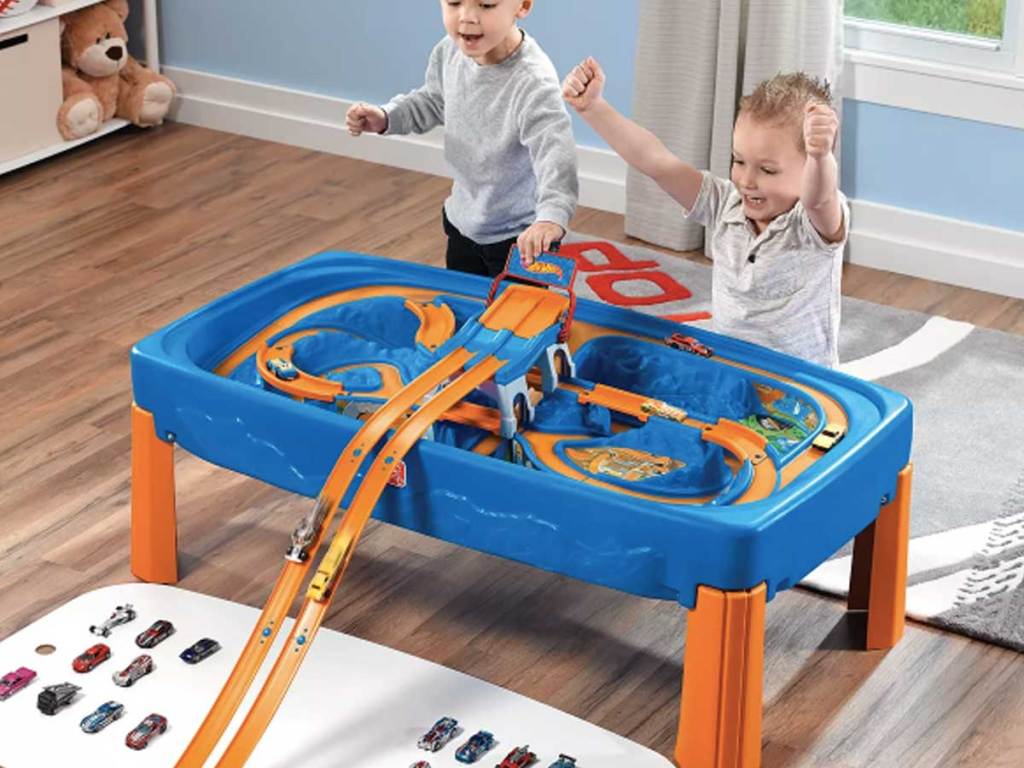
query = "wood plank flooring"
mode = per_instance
[{"x": 108, "y": 243}]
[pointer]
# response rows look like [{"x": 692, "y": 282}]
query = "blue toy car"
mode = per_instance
[
  {"x": 564, "y": 761},
  {"x": 478, "y": 743},
  {"x": 199, "y": 650},
  {"x": 282, "y": 368},
  {"x": 102, "y": 717}
]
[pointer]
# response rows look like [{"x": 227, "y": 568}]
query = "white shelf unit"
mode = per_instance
[{"x": 42, "y": 13}]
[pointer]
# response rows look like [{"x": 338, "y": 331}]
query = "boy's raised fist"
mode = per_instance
[
  {"x": 363, "y": 118},
  {"x": 583, "y": 86},
  {"x": 820, "y": 128}
]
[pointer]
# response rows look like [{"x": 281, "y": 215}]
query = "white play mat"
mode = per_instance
[{"x": 353, "y": 704}]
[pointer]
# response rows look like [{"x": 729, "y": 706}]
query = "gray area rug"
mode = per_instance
[{"x": 967, "y": 386}]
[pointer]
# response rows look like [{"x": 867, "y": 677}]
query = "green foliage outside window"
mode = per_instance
[{"x": 982, "y": 18}]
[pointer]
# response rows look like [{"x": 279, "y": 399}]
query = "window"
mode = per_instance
[{"x": 982, "y": 34}]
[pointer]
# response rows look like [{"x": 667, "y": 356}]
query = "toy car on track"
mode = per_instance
[
  {"x": 478, "y": 743},
  {"x": 140, "y": 667},
  {"x": 53, "y": 697},
  {"x": 159, "y": 631},
  {"x": 830, "y": 435},
  {"x": 440, "y": 734},
  {"x": 91, "y": 658},
  {"x": 122, "y": 615},
  {"x": 104, "y": 715},
  {"x": 688, "y": 344},
  {"x": 14, "y": 681},
  {"x": 140, "y": 736},
  {"x": 520, "y": 757},
  {"x": 199, "y": 650},
  {"x": 283, "y": 369},
  {"x": 564, "y": 761}
]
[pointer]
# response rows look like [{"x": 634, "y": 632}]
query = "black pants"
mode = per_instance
[{"x": 464, "y": 255}]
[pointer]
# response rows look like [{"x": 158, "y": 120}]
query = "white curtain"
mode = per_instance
[{"x": 695, "y": 59}]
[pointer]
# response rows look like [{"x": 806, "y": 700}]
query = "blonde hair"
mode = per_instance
[{"x": 781, "y": 100}]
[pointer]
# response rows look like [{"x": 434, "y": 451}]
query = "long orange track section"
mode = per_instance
[
  {"x": 342, "y": 547},
  {"x": 293, "y": 574}
]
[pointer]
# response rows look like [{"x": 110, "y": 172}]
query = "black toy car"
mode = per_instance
[
  {"x": 200, "y": 650},
  {"x": 53, "y": 697},
  {"x": 160, "y": 630}
]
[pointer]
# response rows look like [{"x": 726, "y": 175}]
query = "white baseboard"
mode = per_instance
[
  {"x": 893, "y": 239},
  {"x": 937, "y": 248},
  {"x": 317, "y": 122}
]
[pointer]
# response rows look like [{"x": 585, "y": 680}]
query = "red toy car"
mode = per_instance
[
  {"x": 14, "y": 681},
  {"x": 141, "y": 734},
  {"x": 688, "y": 344},
  {"x": 520, "y": 757},
  {"x": 91, "y": 658}
]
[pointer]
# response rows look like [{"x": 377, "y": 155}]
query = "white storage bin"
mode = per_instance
[{"x": 30, "y": 88}]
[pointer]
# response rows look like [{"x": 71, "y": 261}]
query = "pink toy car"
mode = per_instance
[{"x": 14, "y": 681}]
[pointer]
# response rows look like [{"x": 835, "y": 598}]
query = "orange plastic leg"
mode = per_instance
[
  {"x": 878, "y": 578},
  {"x": 720, "y": 716},
  {"x": 154, "y": 528}
]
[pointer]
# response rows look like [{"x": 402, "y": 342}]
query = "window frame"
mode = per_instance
[
  {"x": 1003, "y": 55},
  {"x": 937, "y": 72}
]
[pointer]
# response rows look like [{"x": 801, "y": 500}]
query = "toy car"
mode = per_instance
[
  {"x": 104, "y": 715},
  {"x": 520, "y": 757},
  {"x": 282, "y": 368},
  {"x": 199, "y": 650},
  {"x": 140, "y": 736},
  {"x": 91, "y": 658},
  {"x": 122, "y": 615},
  {"x": 830, "y": 435},
  {"x": 564, "y": 761},
  {"x": 140, "y": 667},
  {"x": 14, "y": 681},
  {"x": 688, "y": 344},
  {"x": 478, "y": 743},
  {"x": 53, "y": 697},
  {"x": 160, "y": 630},
  {"x": 420, "y": 764},
  {"x": 439, "y": 735}
]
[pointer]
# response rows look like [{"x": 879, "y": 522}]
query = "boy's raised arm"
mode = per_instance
[
  {"x": 635, "y": 144},
  {"x": 819, "y": 193}
]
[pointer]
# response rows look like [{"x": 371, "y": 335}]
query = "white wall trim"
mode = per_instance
[
  {"x": 937, "y": 248},
  {"x": 317, "y": 122},
  {"x": 883, "y": 237},
  {"x": 934, "y": 87}
]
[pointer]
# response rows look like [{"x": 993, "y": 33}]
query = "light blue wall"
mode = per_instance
[
  {"x": 370, "y": 50},
  {"x": 942, "y": 165}
]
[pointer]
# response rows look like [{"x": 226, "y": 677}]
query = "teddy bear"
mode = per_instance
[{"x": 100, "y": 79}]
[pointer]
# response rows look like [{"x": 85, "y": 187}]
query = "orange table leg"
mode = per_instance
[
  {"x": 154, "y": 552},
  {"x": 723, "y": 671},
  {"x": 878, "y": 578}
]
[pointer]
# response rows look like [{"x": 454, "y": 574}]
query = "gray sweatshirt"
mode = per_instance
[{"x": 508, "y": 139}]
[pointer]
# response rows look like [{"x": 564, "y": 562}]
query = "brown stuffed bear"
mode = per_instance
[{"x": 100, "y": 79}]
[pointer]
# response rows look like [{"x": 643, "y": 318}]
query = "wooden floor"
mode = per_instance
[{"x": 103, "y": 245}]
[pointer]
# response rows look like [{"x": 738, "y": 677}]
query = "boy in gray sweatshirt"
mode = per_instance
[{"x": 508, "y": 136}]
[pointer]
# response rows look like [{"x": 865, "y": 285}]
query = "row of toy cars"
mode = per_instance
[{"x": 444, "y": 730}]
